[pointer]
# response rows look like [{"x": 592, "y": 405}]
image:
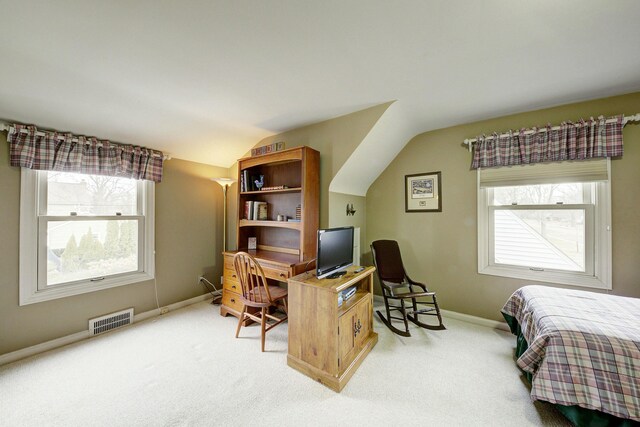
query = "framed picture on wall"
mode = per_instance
[{"x": 423, "y": 192}]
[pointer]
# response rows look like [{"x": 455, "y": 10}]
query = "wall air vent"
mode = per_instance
[{"x": 111, "y": 321}]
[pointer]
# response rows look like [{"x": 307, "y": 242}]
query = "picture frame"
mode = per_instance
[{"x": 423, "y": 192}]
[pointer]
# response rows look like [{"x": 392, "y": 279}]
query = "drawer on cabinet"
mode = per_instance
[
  {"x": 232, "y": 300},
  {"x": 230, "y": 275},
  {"x": 232, "y": 286},
  {"x": 276, "y": 274}
]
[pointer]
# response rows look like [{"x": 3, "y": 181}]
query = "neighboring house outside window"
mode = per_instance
[
  {"x": 81, "y": 233},
  {"x": 546, "y": 222}
]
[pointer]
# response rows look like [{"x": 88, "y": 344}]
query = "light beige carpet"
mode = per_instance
[{"x": 186, "y": 368}]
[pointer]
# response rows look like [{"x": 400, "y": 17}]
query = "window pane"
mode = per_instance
[
  {"x": 552, "y": 238},
  {"x": 90, "y": 194},
  {"x": 78, "y": 250},
  {"x": 545, "y": 194}
]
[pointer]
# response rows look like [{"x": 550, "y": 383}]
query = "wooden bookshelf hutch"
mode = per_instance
[{"x": 284, "y": 248}]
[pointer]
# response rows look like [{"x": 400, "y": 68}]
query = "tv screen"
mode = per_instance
[{"x": 335, "y": 251}]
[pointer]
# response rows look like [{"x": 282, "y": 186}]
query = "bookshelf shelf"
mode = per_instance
[
  {"x": 284, "y": 190},
  {"x": 280, "y": 224}
]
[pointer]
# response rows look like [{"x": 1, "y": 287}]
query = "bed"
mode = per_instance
[{"x": 580, "y": 350}]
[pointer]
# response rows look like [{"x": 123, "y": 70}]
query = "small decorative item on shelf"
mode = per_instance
[
  {"x": 266, "y": 149},
  {"x": 259, "y": 182},
  {"x": 277, "y": 187},
  {"x": 252, "y": 243},
  {"x": 298, "y": 212}
]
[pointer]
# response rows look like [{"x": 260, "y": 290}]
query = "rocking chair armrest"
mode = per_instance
[
  {"x": 418, "y": 284},
  {"x": 416, "y": 294}
]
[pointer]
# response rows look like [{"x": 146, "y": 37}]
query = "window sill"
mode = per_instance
[
  {"x": 32, "y": 295},
  {"x": 571, "y": 279}
]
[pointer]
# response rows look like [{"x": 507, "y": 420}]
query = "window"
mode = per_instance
[
  {"x": 546, "y": 222},
  {"x": 82, "y": 233}
]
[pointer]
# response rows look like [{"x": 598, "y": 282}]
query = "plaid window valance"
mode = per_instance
[
  {"x": 585, "y": 139},
  {"x": 53, "y": 151}
]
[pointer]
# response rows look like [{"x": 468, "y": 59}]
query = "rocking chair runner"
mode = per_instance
[{"x": 397, "y": 287}]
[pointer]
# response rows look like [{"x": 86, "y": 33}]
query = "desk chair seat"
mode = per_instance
[
  {"x": 397, "y": 287},
  {"x": 256, "y": 292}
]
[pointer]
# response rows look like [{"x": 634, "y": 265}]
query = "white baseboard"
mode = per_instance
[
  {"x": 481, "y": 321},
  {"x": 493, "y": 324},
  {"x": 79, "y": 336}
]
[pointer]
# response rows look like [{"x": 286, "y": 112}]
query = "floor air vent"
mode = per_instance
[{"x": 110, "y": 321}]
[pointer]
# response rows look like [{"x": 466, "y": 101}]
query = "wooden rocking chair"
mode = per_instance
[{"x": 397, "y": 287}]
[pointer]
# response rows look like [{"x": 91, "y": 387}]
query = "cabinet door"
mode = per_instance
[{"x": 354, "y": 330}]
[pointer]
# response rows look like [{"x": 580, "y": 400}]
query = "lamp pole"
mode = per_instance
[{"x": 224, "y": 183}]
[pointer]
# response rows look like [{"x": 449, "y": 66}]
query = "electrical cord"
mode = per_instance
[
  {"x": 155, "y": 287},
  {"x": 307, "y": 266},
  {"x": 216, "y": 294}
]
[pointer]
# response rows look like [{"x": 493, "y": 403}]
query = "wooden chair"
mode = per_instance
[
  {"x": 397, "y": 287},
  {"x": 257, "y": 293}
]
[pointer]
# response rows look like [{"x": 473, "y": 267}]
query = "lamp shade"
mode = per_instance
[{"x": 224, "y": 182}]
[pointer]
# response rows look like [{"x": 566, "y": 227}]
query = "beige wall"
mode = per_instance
[
  {"x": 438, "y": 247},
  {"x": 188, "y": 244},
  {"x": 335, "y": 139},
  {"x": 441, "y": 248},
  {"x": 338, "y": 214}
]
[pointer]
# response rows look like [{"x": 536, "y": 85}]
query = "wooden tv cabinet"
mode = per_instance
[{"x": 326, "y": 342}]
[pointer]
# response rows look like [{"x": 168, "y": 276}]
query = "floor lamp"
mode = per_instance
[{"x": 225, "y": 183}]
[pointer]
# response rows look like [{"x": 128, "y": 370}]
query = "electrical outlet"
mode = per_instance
[
  {"x": 164, "y": 310},
  {"x": 199, "y": 279}
]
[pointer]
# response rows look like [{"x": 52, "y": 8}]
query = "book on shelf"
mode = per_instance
[
  {"x": 245, "y": 180},
  {"x": 262, "y": 211},
  {"x": 255, "y": 211},
  {"x": 259, "y": 211},
  {"x": 248, "y": 210}
]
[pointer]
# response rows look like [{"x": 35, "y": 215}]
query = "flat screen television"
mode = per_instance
[{"x": 335, "y": 251}]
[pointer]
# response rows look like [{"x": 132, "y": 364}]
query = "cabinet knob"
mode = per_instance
[
  {"x": 233, "y": 286},
  {"x": 233, "y": 275},
  {"x": 233, "y": 300},
  {"x": 283, "y": 275}
]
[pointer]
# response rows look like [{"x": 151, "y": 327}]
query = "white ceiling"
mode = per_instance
[{"x": 206, "y": 80}]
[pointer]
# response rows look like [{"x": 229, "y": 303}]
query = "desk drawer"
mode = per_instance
[
  {"x": 228, "y": 262},
  {"x": 277, "y": 274},
  {"x": 232, "y": 300},
  {"x": 231, "y": 281}
]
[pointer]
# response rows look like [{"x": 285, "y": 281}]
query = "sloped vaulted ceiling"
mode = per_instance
[{"x": 206, "y": 80}]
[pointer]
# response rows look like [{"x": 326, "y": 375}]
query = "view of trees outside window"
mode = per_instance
[
  {"x": 79, "y": 248},
  {"x": 90, "y": 194},
  {"x": 562, "y": 230}
]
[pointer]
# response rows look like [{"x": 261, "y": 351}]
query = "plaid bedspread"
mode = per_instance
[{"x": 584, "y": 348}]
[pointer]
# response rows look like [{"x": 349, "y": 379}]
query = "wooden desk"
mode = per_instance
[
  {"x": 327, "y": 342},
  {"x": 276, "y": 265}
]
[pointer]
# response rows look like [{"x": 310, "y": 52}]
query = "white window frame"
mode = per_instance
[
  {"x": 597, "y": 234},
  {"x": 33, "y": 243}
]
